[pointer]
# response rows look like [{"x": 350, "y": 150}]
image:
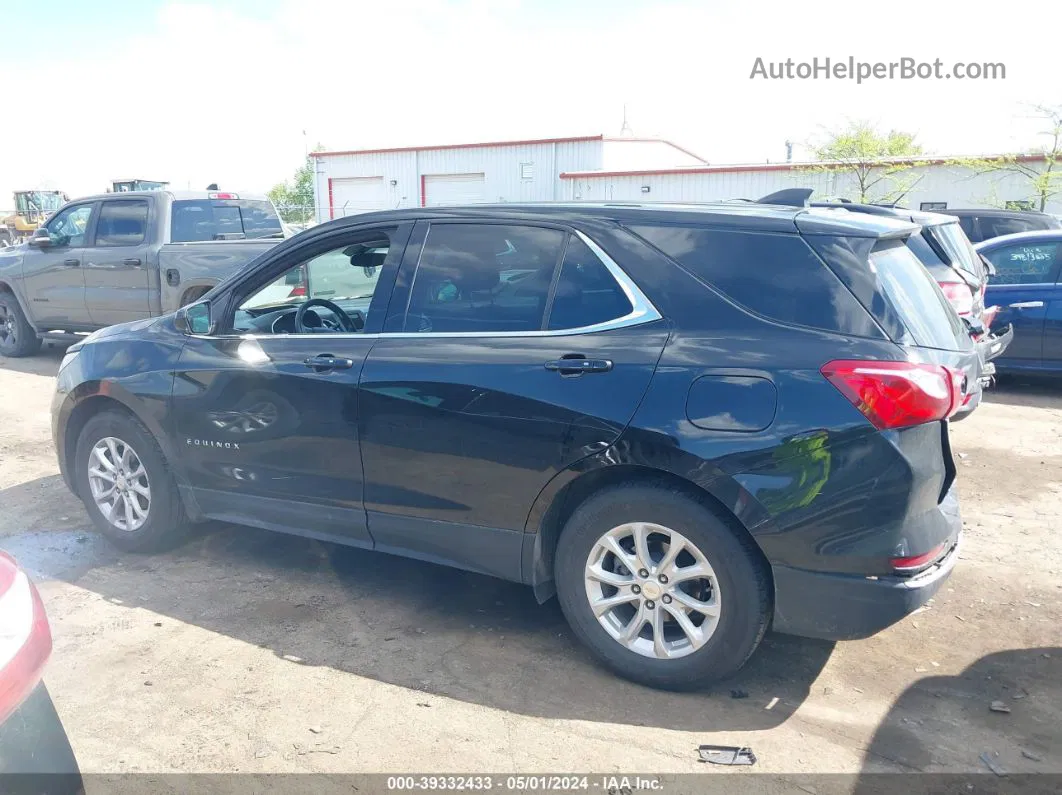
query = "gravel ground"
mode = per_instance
[{"x": 247, "y": 651}]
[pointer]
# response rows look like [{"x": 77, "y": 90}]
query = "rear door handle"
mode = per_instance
[
  {"x": 325, "y": 361},
  {"x": 1027, "y": 305},
  {"x": 72, "y": 263},
  {"x": 579, "y": 365},
  {"x": 133, "y": 262}
]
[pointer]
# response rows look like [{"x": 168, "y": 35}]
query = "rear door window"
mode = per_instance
[
  {"x": 483, "y": 278},
  {"x": 1025, "y": 263},
  {"x": 122, "y": 223},
  {"x": 198, "y": 220},
  {"x": 776, "y": 276}
]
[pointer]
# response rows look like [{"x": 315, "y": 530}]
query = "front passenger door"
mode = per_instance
[
  {"x": 267, "y": 414},
  {"x": 52, "y": 277}
]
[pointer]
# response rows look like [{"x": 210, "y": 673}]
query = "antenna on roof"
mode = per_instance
[
  {"x": 625, "y": 130},
  {"x": 789, "y": 151},
  {"x": 790, "y": 197}
]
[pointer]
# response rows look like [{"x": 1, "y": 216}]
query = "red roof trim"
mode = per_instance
[
  {"x": 722, "y": 169},
  {"x": 527, "y": 142}
]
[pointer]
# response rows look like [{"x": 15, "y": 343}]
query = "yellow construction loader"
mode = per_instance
[{"x": 32, "y": 208}]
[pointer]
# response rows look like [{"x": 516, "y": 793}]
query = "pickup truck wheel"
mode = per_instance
[
  {"x": 17, "y": 337},
  {"x": 125, "y": 484},
  {"x": 659, "y": 588}
]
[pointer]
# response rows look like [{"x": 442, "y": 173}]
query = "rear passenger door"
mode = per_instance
[
  {"x": 1024, "y": 288},
  {"x": 510, "y": 352},
  {"x": 117, "y": 279}
]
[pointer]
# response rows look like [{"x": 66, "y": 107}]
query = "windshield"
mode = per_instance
[
  {"x": 915, "y": 296},
  {"x": 223, "y": 219},
  {"x": 958, "y": 248}
]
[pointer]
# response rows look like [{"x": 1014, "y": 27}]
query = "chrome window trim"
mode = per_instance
[{"x": 642, "y": 311}]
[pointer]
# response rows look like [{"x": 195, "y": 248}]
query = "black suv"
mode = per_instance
[
  {"x": 985, "y": 224},
  {"x": 689, "y": 423}
]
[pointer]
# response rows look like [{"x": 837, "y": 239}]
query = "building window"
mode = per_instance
[
  {"x": 527, "y": 171},
  {"x": 931, "y": 206}
]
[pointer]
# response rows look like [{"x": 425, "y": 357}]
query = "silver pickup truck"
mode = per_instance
[{"x": 108, "y": 259}]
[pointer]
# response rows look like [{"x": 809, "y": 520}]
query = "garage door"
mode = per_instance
[
  {"x": 440, "y": 189},
  {"x": 352, "y": 195}
]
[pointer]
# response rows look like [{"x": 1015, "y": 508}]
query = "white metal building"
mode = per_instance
[
  {"x": 600, "y": 168},
  {"x": 506, "y": 171},
  {"x": 935, "y": 184}
]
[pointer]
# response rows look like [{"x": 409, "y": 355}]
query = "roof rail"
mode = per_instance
[{"x": 790, "y": 197}]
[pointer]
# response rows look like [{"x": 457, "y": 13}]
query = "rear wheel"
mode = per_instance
[
  {"x": 125, "y": 484},
  {"x": 659, "y": 589},
  {"x": 17, "y": 337}
]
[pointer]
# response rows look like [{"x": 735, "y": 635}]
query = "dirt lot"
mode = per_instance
[{"x": 247, "y": 651}]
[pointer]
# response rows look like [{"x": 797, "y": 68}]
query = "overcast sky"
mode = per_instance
[{"x": 200, "y": 92}]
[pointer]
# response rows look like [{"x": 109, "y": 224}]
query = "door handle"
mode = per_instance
[
  {"x": 72, "y": 263},
  {"x": 577, "y": 364},
  {"x": 1026, "y": 305},
  {"x": 324, "y": 362},
  {"x": 133, "y": 262}
]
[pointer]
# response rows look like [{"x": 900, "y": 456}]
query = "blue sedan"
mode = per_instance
[{"x": 1025, "y": 286}]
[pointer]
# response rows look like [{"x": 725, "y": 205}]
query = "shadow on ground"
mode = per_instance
[
  {"x": 46, "y": 362},
  {"x": 948, "y": 723},
  {"x": 1033, "y": 391},
  {"x": 407, "y": 623}
]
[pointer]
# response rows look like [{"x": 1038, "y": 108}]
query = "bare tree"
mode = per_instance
[
  {"x": 880, "y": 163},
  {"x": 1040, "y": 168}
]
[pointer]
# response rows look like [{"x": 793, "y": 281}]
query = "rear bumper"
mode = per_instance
[{"x": 847, "y": 607}]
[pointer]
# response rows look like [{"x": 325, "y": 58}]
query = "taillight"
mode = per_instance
[
  {"x": 897, "y": 394},
  {"x": 25, "y": 638},
  {"x": 297, "y": 290},
  {"x": 959, "y": 296},
  {"x": 915, "y": 562}
]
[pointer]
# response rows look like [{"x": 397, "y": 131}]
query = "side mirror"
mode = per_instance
[
  {"x": 194, "y": 319},
  {"x": 41, "y": 239}
]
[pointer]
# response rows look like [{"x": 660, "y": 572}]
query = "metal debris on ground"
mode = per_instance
[
  {"x": 726, "y": 755},
  {"x": 772, "y": 703},
  {"x": 1031, "y": 755},
  {"x": 998, "y": 706},
  {"x": 991, "y": 765}
]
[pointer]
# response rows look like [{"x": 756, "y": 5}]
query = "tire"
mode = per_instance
[
  {"x": 739, "y": 586},
  {"x": 157, "y": 521},
  {"x": 17, "y": 337}
]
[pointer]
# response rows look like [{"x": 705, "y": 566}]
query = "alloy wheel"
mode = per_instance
[
  {"x": 652, "y": 590},
  {"x": 119, "y": 484},
  {"x": 8, "y": 327}
]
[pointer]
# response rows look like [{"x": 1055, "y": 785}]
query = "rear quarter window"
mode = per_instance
[
  {"x": 888, "y": 278},
  {"x": 776, "y": 276}
]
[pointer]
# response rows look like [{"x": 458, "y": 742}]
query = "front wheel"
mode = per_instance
[
  {"x": 125, "y": 484},
  {"x": 17, "y": 337},
  {"x": 659, "y": 589}
]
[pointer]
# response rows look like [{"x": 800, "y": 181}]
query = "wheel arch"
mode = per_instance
[
  {"x": 7, "y": 286},
  {"x": 571, "y": 488},
  {"x": 92, "y": 403}
]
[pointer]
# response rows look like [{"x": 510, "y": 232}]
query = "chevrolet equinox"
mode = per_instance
[{"x": 689, "y": 423}]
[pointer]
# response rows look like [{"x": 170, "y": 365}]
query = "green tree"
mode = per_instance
[
  {"x": 294, "y": 200},
  {"x": 862, "y": 152},
  {"x": 1041, "y": 175}
]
